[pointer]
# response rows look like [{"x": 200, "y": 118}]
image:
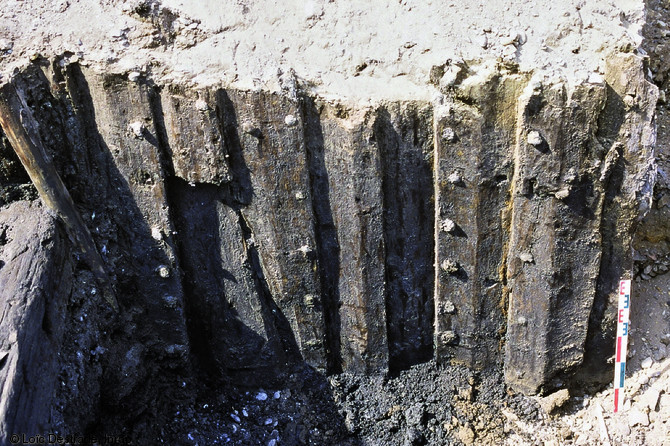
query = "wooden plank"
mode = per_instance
[{"x": 20, "y": 127}]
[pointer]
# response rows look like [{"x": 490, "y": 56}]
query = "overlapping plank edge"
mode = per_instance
[{"x": 259, "y": 229}]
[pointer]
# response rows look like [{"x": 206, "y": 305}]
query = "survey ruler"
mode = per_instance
[{"x": 623, "y": 315}]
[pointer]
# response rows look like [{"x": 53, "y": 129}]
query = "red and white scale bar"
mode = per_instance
[{"x": 623, "y": 320}]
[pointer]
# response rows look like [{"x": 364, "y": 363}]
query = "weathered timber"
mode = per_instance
[
  {"x": 347, "y": 185},
  {"x": 235, "y": 334},
  {"x": 35, "y": 282},
  {"x": 194, "y": 135},
  {"x": 555, "y": 246},
  {"x": 273, "y": 189},
  {"x": 127, "y": 149},
  {"x": 473, "y": 147},
  {"x": 20, "y": 127},
  {"x": 404, "y": 134}
]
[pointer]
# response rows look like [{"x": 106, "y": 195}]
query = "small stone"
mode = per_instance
[
  {"x": 137, "y": 128},
  {"x": 629, "y": 100},
  {"x": 450, "y": 77},
  {"x": 562, "y": 194},
  {"x": 449, "y": 266},
  {"x": 647, "y": 363},
  {"x": 526, "y": 257},
  {"x": 466, "y": 435},
  {"x": 509, "y": 39},
  {"x": 448, "y": 134},
  {"x": 447, "y": 307},
  {"x": 277, "y": 395},
  {"x": 235, "y": 417},
  {"x": 300, "y": 195},
  {"x": 534, "y": 138},
  {"x": 201, "y": 105},
  {"x": 6, "y": 45},
  {"x": 134, "y": 76},
  {"x": 649, "y": 399},
  {"x": 306, "y": 250},
  {"x": 310, "y": 300},
  {"x": 595, "y": 78},
  {"x": 163, "y": 271},
  {"x": 551, "y": 402},
  {"x": 521, "y": 320},
  {"x": 156, "y": 233},
  {"x": 247, "y": 127},
  {"x": 483, "y": 41},
  {"x": 521, "y": 38},
  {"x": 290, "y": 120},
  {"x": 637, "y": 417},
  {"x": 261, "y": 396},
  {"x": 455, "y": 178},
  {"x": 448, "y": 337},
  {"x": 448, "y": 225},
  {"x": 660, "y": 353}
]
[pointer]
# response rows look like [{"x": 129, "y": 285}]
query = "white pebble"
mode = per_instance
[
  {"x": 245, "y": 413},
  {"x": 137, "y": 128},
  {"x": 268, "y": 421},
  {"x": 235, "y": 417},
  {"x": 448, "y": 134},
  {"x": 201, "y": 105},
  {"x": 448, "y": 225},
  {"x": 290, "y": 120},
  {"x": 647, "y": 363},
  {"x": 277, "y": 395},
  {"x": 454, "y": 178},
  {"x": 261, "y": 396},
  {"x": 449, "y": 266},
  {"x": 156, "y": 233},
  {"x": 534, "y": 138},
  {"x": 163, "y": 271},
  {"x": 526, "y": 257},
  {"x": 133, "y": 76}
]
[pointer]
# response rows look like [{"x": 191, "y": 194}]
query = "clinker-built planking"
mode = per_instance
[{"x": 364, "y": 238}]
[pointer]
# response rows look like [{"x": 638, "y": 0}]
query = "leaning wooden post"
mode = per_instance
[{"x": 21, "y": 128}]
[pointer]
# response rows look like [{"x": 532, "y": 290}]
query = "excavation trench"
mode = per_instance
[{"x": 264, "y": 244}]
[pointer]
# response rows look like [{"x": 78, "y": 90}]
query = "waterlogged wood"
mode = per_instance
[
  {"x": 473, "y": 145},
  {"x": 277, "y": 208},
  {"x": 21, "y": 129},
  {"x": 404, "y": 133},
  {"x": 555, "y": 244},
  {"x": 349, "y": 200},
  {"x": 194, "y": 135},
  {"x": 35, "y": 282}
]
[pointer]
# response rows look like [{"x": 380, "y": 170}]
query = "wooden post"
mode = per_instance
[{"x": 21, "y": 128}]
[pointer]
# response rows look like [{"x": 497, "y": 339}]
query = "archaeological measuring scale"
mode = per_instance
[{"x": 622, "y": 329}]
